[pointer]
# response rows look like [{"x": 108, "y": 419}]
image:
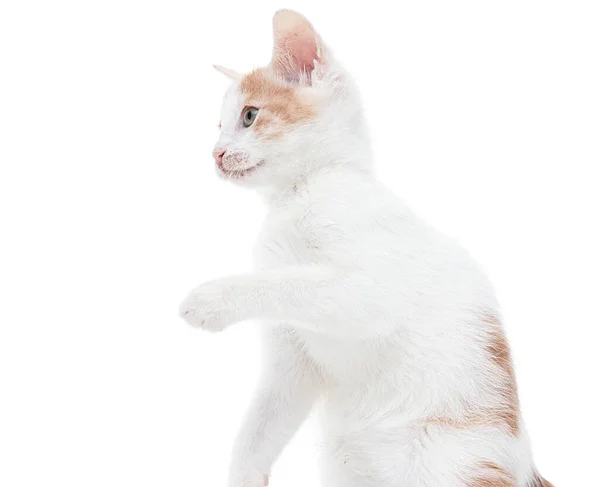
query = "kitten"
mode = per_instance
[{"x": 384, "y": 323}]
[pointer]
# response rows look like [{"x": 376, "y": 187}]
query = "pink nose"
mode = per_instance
[{"x": 218, "y": 155}]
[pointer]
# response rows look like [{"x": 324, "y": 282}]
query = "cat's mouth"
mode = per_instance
[{"x": 236, "y": 173}]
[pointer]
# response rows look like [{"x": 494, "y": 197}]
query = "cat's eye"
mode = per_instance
[{"x": 249, "y": 116}]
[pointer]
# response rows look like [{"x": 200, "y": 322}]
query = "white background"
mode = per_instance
[{"x": 485, "y": 118}]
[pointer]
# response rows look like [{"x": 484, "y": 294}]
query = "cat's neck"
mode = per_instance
[{"x": 280, "y": 195}]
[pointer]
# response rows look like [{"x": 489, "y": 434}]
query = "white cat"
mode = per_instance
[{"x": 385, "y": 324}]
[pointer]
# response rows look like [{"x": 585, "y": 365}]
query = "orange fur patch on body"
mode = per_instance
[
  {"x": 491, "y": 475},
  {"x": 499, "y": 351},
  {"x": 506, "y": 416},
  {"x": 279, "y": 103},
  {"x": 539, "y": 481}
]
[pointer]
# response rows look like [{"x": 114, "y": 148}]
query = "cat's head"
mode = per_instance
[{"x": 299, "y": 114}]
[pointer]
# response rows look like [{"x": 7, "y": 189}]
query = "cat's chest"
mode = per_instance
[
  {"x": 289, "y": 237},
  {"x": 336, "y": 355}
]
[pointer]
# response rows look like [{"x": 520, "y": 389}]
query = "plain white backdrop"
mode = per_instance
[{"x": 111, "y": 212}]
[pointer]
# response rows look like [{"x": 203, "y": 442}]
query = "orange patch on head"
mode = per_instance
[
  {"x": 491, "y": 475},
  {"x": 279, "y": 103}
]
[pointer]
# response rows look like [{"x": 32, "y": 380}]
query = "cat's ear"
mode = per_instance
[
  {"x": 296, "y": 46},
  {"x": 234, "y": 75}
]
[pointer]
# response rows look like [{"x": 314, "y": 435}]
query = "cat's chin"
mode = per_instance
[{"x": 237, "y": 174}]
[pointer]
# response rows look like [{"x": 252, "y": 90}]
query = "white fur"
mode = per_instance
[{"x": 369, "y": 314}]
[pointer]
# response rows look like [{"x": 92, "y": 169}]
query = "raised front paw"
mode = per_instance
[{"x": 208, "y": 307}]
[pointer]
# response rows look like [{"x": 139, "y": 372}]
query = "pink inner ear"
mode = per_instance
[
  {"x": 302, "y": 50},
  {"x": 296, "y": 45}
]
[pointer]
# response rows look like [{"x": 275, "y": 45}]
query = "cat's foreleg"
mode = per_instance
[
  {"x": 328, "y": 299},
  {"x": 284, "y": 398}
]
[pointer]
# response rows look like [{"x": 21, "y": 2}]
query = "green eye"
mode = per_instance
[{"x": 249, "y": 116}]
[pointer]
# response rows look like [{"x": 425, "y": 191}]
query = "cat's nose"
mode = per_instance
[{"x": 218, "y": 155}]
